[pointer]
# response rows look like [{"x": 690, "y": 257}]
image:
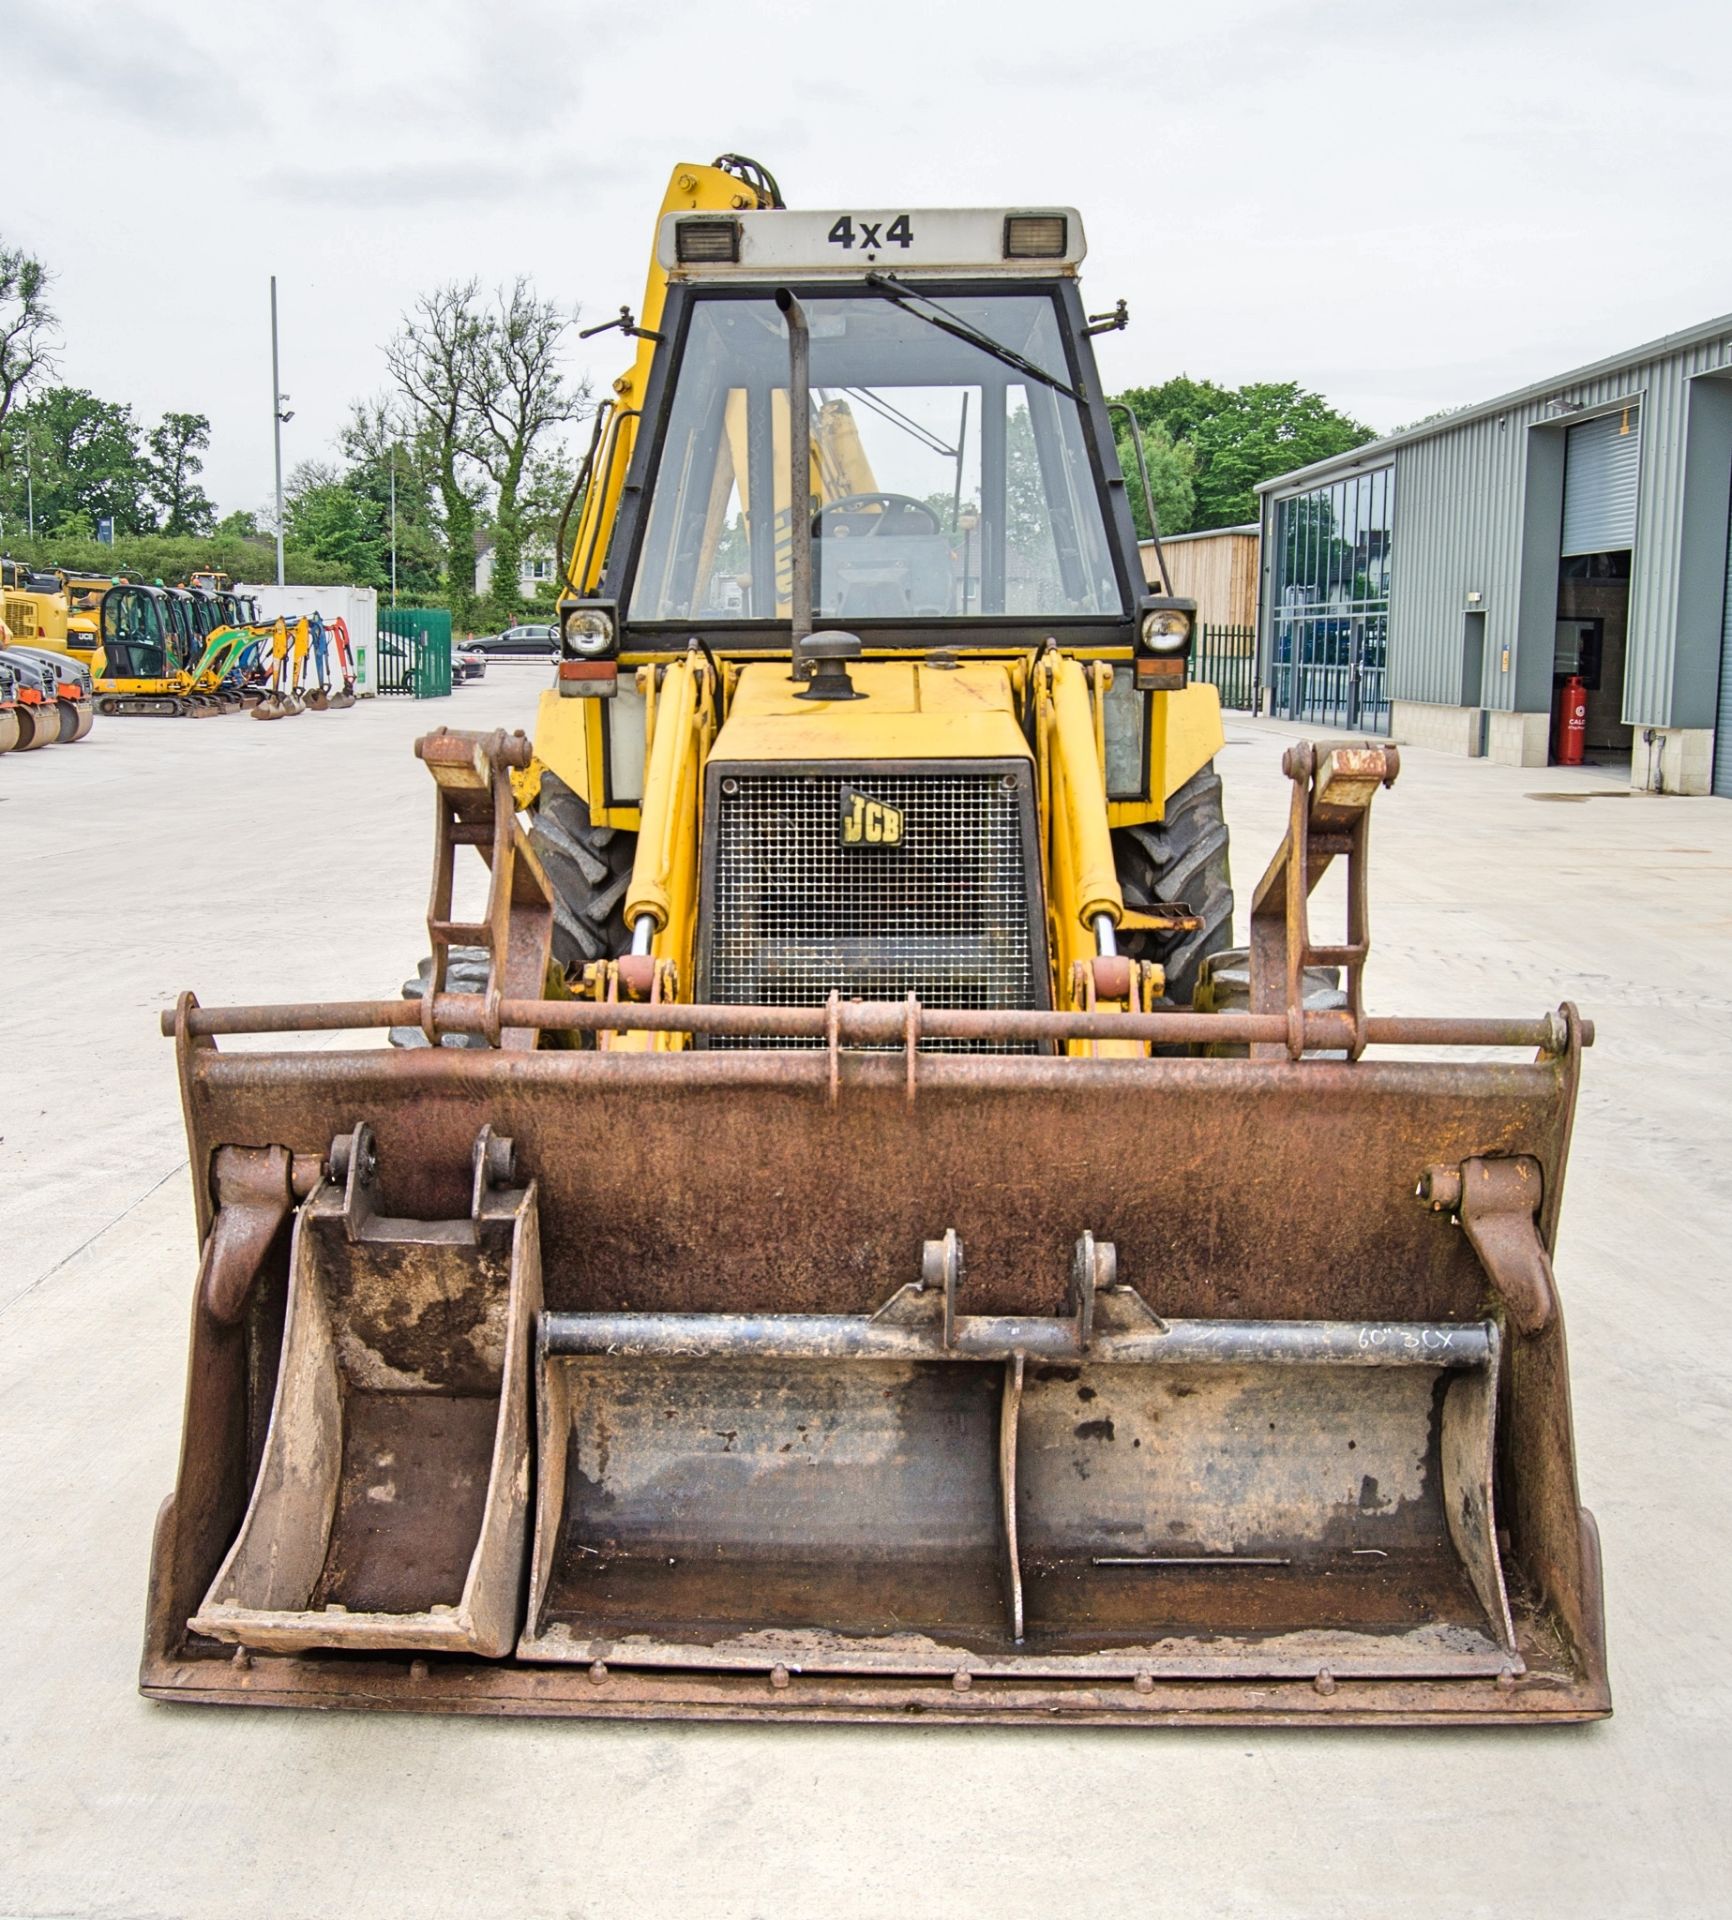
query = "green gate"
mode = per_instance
[{"x": 415, "y": 651}]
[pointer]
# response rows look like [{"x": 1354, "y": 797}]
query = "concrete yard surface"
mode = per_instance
[{"x": 290, "y": 861}]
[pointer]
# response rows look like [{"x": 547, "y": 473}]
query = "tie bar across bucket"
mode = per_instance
[{"x": 1101, "y": 1493}]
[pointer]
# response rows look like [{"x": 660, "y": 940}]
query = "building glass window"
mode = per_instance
[{"x": 1329, "y": 648}]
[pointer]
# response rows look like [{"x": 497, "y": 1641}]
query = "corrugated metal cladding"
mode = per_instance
[
  {"x": 1602, "y": 461},
  {"x": 1459, "y": 497},
  {"x": 1723, "y": 727},
  {"x": 1458, "y": 519}
]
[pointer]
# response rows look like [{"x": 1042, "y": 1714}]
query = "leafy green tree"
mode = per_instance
[
  {"x": 1271, "y": 428},
  {"x": 153, "y": 556},
  {"x": 483, "y": 387},
  {"x": 1172, "y": 480},
  {"x": 176, "y": 443},
  {"x": 548, "y": 478},
  {"x": 388, "y": 460},
  {"x": 1178, "y": 406},
  {"x": 1240, "y": 436},
  {"x": 324, "y": 516},
  {"x": 87, "y": 464},
  {"x": 239, "y": 525}
]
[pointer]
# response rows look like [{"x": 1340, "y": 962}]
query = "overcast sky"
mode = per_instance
[{"x": 1404, "y": 206}]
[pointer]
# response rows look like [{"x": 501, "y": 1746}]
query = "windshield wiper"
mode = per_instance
[{"x": 893, "y": 289}]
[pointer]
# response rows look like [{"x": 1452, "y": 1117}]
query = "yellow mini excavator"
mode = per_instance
[{"x": 852, "y": 1240}]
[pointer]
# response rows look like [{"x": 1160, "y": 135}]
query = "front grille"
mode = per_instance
[{"x": 794, "y": 915}]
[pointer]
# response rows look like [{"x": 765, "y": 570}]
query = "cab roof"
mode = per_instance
[{"x": 783, "y": 243}]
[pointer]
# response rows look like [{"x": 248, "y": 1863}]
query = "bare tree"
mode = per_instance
[
  {"x": 517, "y": 392},
  {"x": 435, "y": 359},
  {"x": 27, "y": 325},
  {"x": 27, "y": 329}
]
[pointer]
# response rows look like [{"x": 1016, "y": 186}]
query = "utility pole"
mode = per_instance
[
  {"x": 29, "y": 486},
  {"x": 278, "y": 416},
  {"x": 393, "y": 523}
]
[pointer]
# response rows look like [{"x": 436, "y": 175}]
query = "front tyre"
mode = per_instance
[
  {"x": 590, "y": 869},
  {"x": 1181, "y": 860}
]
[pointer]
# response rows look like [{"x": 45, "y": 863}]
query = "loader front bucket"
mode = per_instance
[
  {"x": 1009, "y": 1403},
  {"x": 839, "y": 1377}
]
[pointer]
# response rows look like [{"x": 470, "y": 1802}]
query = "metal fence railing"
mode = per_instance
[
  {"x": 415, "y": 651},
  {"x": 1330, "y": 666},
  {"x": 1226, "y": 657}
]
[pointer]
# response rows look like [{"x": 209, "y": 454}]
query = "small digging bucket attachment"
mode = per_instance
[
  {"x": 390, "y": 1506},
  {"x": 871, "y": 1380}
]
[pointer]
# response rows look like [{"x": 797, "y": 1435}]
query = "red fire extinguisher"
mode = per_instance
[{"x": 1572, "y": 725}]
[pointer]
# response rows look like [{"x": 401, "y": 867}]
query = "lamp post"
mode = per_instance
[
  {"x": 393, "y": 523},
  {"x": 279, "y": 419},
  {"x": 21, "y": 439}
]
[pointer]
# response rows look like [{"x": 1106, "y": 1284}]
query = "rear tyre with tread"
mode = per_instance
[{"x": 1179, "y": 860}]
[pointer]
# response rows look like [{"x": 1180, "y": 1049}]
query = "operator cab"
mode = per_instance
[
  {"x": 964, "y": 484},
  {"x": 137, "y": 635}
]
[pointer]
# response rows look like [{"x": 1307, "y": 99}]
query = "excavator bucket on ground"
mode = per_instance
[{"x": 848, "y": 1374}]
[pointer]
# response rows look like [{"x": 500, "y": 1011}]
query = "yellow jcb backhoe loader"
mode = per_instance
[{"x": 829, "y": 1262}]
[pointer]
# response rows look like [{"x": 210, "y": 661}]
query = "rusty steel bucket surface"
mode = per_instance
[{"x": 845, "y": 1384}]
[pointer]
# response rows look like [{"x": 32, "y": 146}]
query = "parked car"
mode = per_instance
[
  {"x": 531, "y": 638},
  {"x": 468, "y": 661}
]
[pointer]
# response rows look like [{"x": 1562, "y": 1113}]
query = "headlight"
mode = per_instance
[
  {"x": 589, "y": 633},
  {"x": 1166, "y": 631}
]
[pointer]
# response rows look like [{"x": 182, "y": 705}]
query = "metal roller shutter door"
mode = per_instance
[{"x": 1601, "y": 461}]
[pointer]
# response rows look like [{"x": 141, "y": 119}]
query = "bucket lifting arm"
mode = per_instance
[
  {"x": 475, "y": 808},
  {"x": 1330, "y": 815}
]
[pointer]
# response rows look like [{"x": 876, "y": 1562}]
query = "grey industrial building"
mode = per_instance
[{"x": 1440, "y": 583}]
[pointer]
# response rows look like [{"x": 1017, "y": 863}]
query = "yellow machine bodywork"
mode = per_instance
[
  {"x": 65, "y": 621},
  {"x": 911, "y": 710},
  {"x": 37, "y": 618},
  {"x": 693, "y": 188},
  {"x": 1185, "y": 734}
]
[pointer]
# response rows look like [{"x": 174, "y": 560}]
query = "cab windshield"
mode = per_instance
[
  {"x": 944, "y": 484},
  {"x": 135, "y": 636}
]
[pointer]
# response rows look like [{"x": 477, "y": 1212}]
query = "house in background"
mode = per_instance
[{"x": 535, "y": 568}]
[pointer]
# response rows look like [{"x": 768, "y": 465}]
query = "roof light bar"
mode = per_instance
[
  {"x": 1035, "y": 236},
  {"x": 707, "y": 241}
]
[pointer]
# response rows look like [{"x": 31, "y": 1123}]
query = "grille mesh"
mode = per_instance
[{"x": 797, "y": 916}]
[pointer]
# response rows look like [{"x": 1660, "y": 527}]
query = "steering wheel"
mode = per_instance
[{"x": 873, "y": 515}]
